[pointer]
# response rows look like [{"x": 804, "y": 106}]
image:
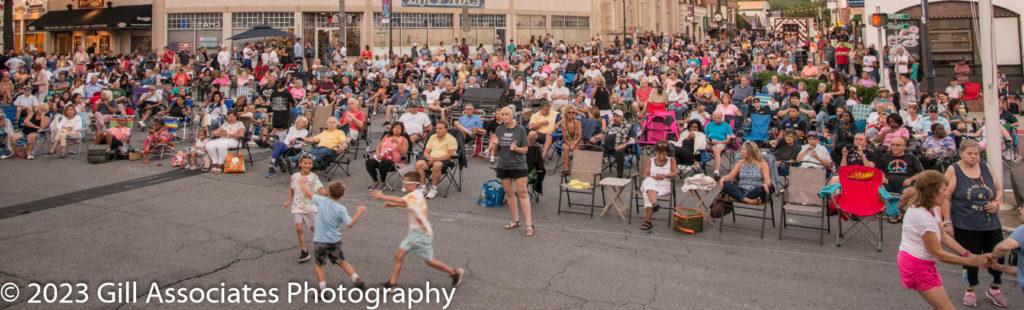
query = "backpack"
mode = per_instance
[{"x": 492, "y": 195}]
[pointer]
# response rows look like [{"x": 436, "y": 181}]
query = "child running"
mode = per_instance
[
  {"x": 303, "y": 210},
  {"x": 419, "y": 240},
  {"x": 922, "y": 241},
  {"x": 330, "y": 216}
]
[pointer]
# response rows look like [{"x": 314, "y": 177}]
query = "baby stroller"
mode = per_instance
[{"x": 656, "y": 127}]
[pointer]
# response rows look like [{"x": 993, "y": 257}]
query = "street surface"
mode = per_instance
[{"x": 125, "y": 221}]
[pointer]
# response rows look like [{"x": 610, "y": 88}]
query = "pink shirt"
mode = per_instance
[
  {"x": 902, "y": 132},
  {"x": 121, "y": 133},
  {"x": 730, "y": 110}
]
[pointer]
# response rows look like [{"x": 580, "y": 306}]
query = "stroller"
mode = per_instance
[{"x": 658, "y": 127}]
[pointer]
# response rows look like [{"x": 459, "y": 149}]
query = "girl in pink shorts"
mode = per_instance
[{"x": 922, "y": 241}]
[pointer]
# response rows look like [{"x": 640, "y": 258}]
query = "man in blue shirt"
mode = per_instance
[
  {"x": 1013, "y": 243},
  {"x": 299, "y": 52},
  {"x": 472, "y": 127},
  {"x": 327, "y": 235},
  {"x": 719, "y": 134},
  {"x": 92, "y": 88}
]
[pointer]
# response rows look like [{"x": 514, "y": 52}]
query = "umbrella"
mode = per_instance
[{"x": 261, "y": 31}]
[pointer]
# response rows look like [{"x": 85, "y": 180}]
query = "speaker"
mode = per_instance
[{"x": 485, "y": 99}]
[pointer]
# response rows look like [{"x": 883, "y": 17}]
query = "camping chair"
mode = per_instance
[
  {"x": 535, "y": 177},
  {"x": 767, "y": 205},
  {"x": 125, "y": 120},
  {"x": 638, "y": 198},
  {"x": 632, "y": 157},
  {"x": 759, "y": 125},
  {"x": 800, "y": 198},
  {"x": 453, "y": 171},
  {"x": 243, "y": 144},
  {"x": 859, "y": 199},
  {"x": 584, "y": 166}
]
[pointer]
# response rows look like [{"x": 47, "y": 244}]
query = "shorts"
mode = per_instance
[
  {"x": 719, "y": 147},
  {"x": 917, "y": 274},
  {"x": 418, "y": 243},
  {"x": 511, "y": 173},
  {"x": 328, "y": 251},
  {"x": 305, "y": 218}
]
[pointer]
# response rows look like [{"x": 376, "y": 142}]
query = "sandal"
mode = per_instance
[
  {"x": 511, "y": 225},
  {"x": 647, "y": 225},
  {"x": 895, "y": 219},
  {"x": 529, "y": 230}
]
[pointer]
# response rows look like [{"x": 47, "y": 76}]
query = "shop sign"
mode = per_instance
[
  {"x": 479, "y": 4},
  {"x": 208, "y": 42}
]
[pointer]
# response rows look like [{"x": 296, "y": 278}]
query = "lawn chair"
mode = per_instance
[
  {"x": 536, "y": 174},
  {"x": 638, "y": 198},
  {"x": 800, "y": 198},
  {"x": 126, "y": 121},
  {"x": 859, "y": 200},
  {"x": 759, "y": 126},
  {"x": 584, "y": 166},
  {"x": 767, "y": 206},
  {"x": 453, "y": 171},
  {"x": 243, "y": 143}
]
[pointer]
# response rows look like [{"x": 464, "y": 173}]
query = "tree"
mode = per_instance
[{"x": 8, "y": 25}]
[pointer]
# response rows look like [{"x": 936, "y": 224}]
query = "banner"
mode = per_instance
[
  {"x": 385, "y": 12},
  {"x": 479, "y": 4}
]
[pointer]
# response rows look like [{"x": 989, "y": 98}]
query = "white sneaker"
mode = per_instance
[
  {"x": 432, "y": 193},
  {"x": 5, "y": 156}
]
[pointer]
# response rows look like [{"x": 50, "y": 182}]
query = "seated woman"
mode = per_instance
[
  {"x": 31, "y": 126},
  {"x": 390, "y": 153},
  {"x": 938, "y": 147},
  {"x": 572, "y": 133},
  {"x": 158, "y": 134},
  {"x": 291, "y": 141},
  {"x": 114, "y": 138},
  {"x": 226, "y": 137},
  {"x": 750, "y": 181},
  {"x": 719, "y": 136},
  {"x": 104, "y": 109},
  {"x": 691, "y": 142},
  {"x": 895, "y": 129},
  {"x": 64, "y": 126},
  {"x": 657, "y": 102},
  {"x": 658, "y": 174}
]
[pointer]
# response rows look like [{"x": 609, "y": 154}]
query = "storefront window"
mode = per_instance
[
  {"x": 530, "y": 26},
  {"x": 571, "y": 29},
  {"x": 414, "y": 28},
  {"x": 486, "y": 29},
  {"x": 186, "y": 31},
  {"x": 322, "y": 31}
]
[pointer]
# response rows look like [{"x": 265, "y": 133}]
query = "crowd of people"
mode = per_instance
[{"x": 723, "y": 97}]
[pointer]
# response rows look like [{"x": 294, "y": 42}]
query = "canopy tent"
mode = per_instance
[{"x": 261, "y": 31}]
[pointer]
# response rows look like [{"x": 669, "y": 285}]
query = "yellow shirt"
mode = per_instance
[
  {"x": 447, "y": 145},
  {"x": 705, "y": 90},
  {"x": 331, "y": 138},
  {"x": 538, "y": 117}
]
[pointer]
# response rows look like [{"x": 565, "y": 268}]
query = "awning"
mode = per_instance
[
  {"x": 119, "y": 17},
  {"x": 260, "y": 31}
]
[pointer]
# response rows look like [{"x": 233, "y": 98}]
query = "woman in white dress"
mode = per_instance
[{"x": 658, "y": 174}]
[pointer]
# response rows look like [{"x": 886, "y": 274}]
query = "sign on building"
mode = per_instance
[{"x": 444, "y": 3}]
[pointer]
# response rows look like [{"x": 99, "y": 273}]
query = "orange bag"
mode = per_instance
[{"x": 234, "y": 163}]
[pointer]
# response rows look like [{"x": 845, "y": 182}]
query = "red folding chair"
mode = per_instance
[{"x": 858, "y": 200}]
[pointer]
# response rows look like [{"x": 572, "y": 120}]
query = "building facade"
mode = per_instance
[{"x": 190, "y": 24}]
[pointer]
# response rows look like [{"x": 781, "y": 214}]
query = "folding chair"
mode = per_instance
[
  {"x": 638, "y": 198},
  {"x": 537, "y": 173},
  {"x": 453, "y": 171},
  {"x": 243, "y": 144},
  {"x": 800, "y": 198},
  {"x": 585, "y": 166},
  {"x": 766, "y": 207},
  {"x": 859, "y": 200}
]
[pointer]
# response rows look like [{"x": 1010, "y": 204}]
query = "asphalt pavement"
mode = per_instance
[{"x": 67, "y": 221}]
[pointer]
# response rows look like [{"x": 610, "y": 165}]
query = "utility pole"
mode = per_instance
[
  {"x": 926, "y": 49},
  {"x": 624, "y": 25},
  {"x": 993, "y": 140},
  {"x": 883, "y": 76},
  {"x": 342, "y": 24}
]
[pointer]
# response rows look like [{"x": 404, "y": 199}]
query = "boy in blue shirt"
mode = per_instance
[
  {"x": 327, "y": 238},
  {"x": 1013, "y": 243}
]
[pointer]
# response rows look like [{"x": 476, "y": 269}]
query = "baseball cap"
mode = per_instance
[{"x": 618, "y": 112}]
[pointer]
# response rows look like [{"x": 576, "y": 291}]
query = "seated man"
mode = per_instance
[
  {"x": 440, "y": 148},
  {"x": 150, "y": 103},
  {"x": 719, "y": 136},
  {"x": 813, "y": 154},
  {"x": 472, "y": 127},
  {"x": 331, "y": 143},
  {"x": 397, "y": 99},
  {"x": 793, "y": 121},
  {"x": 416, "y": 122},
  {"x": 617, "y": 139},
  {"x": 542, "y": 124},
  {"x": 900, "y": 167}
]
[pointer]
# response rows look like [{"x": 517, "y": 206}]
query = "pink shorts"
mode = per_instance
[{"x": 917, "y": 274}]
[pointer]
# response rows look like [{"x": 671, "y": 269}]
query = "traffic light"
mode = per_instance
[{"x": 879, "y": 19}]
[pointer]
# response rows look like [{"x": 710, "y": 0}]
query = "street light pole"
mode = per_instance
[
  {"x": 993, "y": 141},
  {"x": 342, "y": 23},
  {"x": 926, "y": 46},
  {"x": 624, "y": 24}
]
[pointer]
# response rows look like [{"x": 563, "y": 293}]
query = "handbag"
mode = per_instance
[
  {"x": 234, "y": 163},
  {"x": 720, "y": 207}
]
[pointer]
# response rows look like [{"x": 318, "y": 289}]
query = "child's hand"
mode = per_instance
[
  {"x": 288, "y": 205},
  {"x": 377, "y": 195},
  {"x": 361, "y": 208}
]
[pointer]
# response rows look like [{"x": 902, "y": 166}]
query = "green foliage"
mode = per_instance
[{"x": 866, "y": 94}]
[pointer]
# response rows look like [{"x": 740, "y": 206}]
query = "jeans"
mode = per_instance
[
  {"x": 734, "y": 191},
  {"x": 279, "y": 149},
  {"x": 379, "y": 169},
  {"x": 680, "y": 110},
  {"x": 320, "y": 155}
]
